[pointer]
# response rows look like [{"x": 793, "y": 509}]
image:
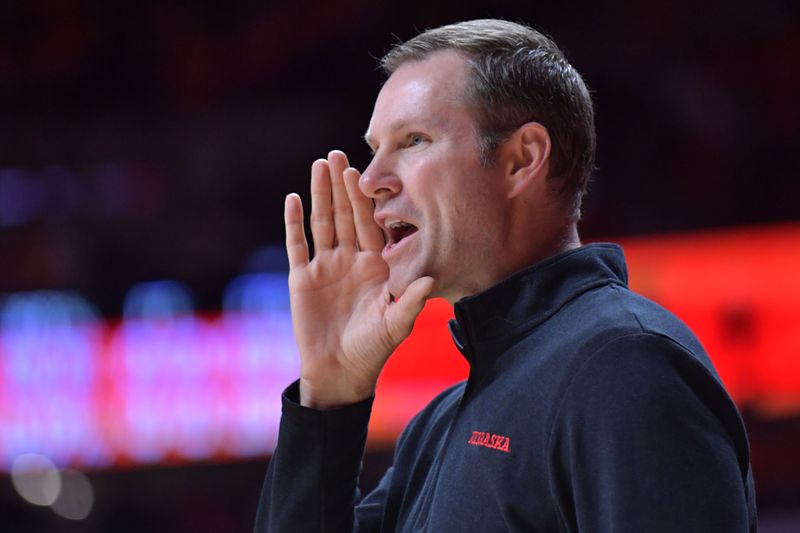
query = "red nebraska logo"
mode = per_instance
[{"x": 490, "y": 440}]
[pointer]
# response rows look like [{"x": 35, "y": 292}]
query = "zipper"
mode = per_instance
[{"x": 423, "y": 516}]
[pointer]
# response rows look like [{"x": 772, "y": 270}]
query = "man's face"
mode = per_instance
[{"x": 442, "y": 212}]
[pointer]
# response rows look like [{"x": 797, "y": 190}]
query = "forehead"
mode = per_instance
[{"x": 430, "y": 91}]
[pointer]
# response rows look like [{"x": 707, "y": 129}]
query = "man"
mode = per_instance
[{"x": 587, "y": 408}]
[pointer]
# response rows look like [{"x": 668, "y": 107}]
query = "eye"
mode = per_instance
[{"x": 415, "y": 139}]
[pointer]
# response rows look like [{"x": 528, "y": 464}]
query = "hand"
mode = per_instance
[{"x": 345, "y": 321}]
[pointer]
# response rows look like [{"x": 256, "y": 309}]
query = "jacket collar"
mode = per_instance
[{"x": 488, "y": 323}]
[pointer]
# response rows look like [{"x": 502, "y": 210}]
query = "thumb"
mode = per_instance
[{"x": 401, "y": 314}]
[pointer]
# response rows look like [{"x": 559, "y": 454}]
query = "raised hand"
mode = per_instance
[{"x": 345, "y": 321}]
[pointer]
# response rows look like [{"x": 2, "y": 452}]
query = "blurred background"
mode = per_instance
[{"x": 145, "y": 151}]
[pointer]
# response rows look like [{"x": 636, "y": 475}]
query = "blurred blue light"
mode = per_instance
[
  {"x": 49, "y": 342},
  {"x": 269, "y": 258},
  {"x": 164, "y": 383},
  {"x": 157, "y": 300},
  {"x": 263, "y": 294},
  {"x": 22, "y": 197}
]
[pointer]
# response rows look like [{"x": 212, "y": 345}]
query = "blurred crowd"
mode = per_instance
[{"x": 149, "y": 140}]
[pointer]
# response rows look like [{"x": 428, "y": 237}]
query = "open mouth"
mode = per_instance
[{"x": 397, "y": 231}]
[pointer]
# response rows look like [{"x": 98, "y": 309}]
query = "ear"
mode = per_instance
[{"x": 527, "y": 152}]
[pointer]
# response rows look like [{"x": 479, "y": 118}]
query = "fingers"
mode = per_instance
[
  {"x": 331, "y": 211},
  {"x": 402, "y": 314},
  {"x": 342, "y": 210},
  {"x": 296, "y": 245},
  {"x": 322, "y": 229},
  {"x": 370, "y": 236}
]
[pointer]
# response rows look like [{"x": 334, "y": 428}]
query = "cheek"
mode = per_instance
[
  {"x": 475, "y": 221},
  {"x": 458, "y": 227},
  {"x": 460, "y": 205}
]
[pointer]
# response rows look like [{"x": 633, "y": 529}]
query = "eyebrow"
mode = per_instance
[
  {"x": 367, "y": 139},
  {"x": 395, "y": 126}
]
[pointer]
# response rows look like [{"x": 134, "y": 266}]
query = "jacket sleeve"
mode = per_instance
[
  {"x": 647, "y": 439},
  {"x": 312, "y": 479}
]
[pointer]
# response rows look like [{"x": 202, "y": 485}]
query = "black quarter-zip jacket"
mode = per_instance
[{"x": 587, "y": 408}]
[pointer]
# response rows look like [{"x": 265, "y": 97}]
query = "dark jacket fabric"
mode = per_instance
[{"x": 587, "y": 408}]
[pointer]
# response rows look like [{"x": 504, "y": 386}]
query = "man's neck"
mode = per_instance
[{"x": 563, "y": 241}]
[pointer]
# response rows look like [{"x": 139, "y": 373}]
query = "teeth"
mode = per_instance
[{"x": 397, "y": 224}]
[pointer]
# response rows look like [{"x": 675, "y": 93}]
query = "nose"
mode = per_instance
[{"x": 379, "y": 181}]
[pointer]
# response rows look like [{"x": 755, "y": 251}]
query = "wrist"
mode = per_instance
[{"x": 327, "y": 397}]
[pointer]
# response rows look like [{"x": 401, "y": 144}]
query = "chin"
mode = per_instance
[
  {"x": 399, "y": 282},
  {"x": 398, "y": 288}
]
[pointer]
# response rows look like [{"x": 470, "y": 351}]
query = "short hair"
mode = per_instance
[{"x": 518, "y": 75}]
